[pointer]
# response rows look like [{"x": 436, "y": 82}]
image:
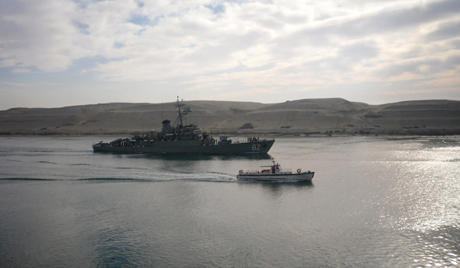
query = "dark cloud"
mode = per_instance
[
  {"x": 388, "y": 20},
  {"x": 421, "y": 67},
  {"x": 445, "y": 31},
  {"x": 452, "y": 62},
  {"x": 358, "y": 52},
  {"x": 346, "y": 59},
  {"x": 227, "y": 45},
  {"x": 393, "y": 20},
  {"x": 9, "y": 27}
]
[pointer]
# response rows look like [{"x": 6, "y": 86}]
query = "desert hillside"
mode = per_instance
[{"x": 306, "y": 116}]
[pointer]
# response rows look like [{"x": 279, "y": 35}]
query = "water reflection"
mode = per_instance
[
  {"x": 280, "y": 184},
  {"x": 424, "y": 195},
  {"x": 440, "y": 142},
  {"x": 277, "y": 189},
  {"x": 435, "y": 248}
]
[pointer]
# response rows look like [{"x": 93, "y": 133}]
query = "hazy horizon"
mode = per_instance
[{"x": 187, "y": 101}]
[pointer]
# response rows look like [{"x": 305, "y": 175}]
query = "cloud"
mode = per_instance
[
  {"x": 223, "y": 44},
  {"x": 38, "y": 33}
]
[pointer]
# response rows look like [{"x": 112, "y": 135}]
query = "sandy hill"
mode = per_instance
[
  {"x": 307, "y": 116},
  {"x": 425, "y": 117}
]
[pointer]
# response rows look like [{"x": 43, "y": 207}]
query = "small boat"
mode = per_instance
[{"x": 275, "y": 173}]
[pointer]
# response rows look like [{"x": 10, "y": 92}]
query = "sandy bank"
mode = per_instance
[{"x": 299, "y": 117}]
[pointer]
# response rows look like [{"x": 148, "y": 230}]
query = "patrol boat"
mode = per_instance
[
  {"x": 275, "y": 173},
  {"x": 183, "y": 139}
]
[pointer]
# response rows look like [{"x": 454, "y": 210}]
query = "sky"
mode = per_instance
[{"x": 56, "y": 53}]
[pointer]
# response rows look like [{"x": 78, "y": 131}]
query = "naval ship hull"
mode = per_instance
[
  {"x": 188, "y": 147},
  {"x": 182, "y": 139}
]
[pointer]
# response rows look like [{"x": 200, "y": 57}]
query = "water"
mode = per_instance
[{"x": 374, "y": 202}]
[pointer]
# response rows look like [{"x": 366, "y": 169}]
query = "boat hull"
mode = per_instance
[
  {"x": 189, "y": 147},
  {"x": 304, "y": 176}
]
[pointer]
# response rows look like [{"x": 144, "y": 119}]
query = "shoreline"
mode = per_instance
[
  {"x": 250, "y": 134},
  {"x": 306, "y": 117}
]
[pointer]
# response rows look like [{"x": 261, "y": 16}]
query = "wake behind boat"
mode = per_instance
[
  {"x": 183, "y": 139},
  {"x": 275, "y": 173}
]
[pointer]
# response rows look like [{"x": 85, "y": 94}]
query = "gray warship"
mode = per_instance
[{"x": 183, "y": 139}]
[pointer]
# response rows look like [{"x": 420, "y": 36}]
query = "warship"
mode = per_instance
[{"x": 183, "y": 139}]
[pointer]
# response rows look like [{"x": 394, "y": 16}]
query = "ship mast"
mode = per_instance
[{"x": 180, "y": 112}]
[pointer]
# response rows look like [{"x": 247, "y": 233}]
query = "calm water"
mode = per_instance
[{"x": 374, "y": 202}]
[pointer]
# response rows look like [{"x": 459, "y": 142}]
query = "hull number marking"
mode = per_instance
[{"x": 256, "y": 147}]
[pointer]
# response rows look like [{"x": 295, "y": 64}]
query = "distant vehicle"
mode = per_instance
[
  {"x": 183, "y": 139},
  {"x": 275, "y": 173}
]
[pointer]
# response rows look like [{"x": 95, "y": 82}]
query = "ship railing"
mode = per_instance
[{"x": 252, "y": 172}]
